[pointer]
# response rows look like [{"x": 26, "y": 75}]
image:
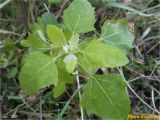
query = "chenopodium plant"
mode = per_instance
[{"x": 58, "y": 51}]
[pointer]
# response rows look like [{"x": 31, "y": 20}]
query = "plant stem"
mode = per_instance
[{"x": 79, "y": 92}]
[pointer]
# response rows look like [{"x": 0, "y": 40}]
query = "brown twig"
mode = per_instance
[
  {"x": 61, "y": 8},
  {"x": 36, "y": 114},
  {"x": 149, "y": 38},
  {"x": 9, "y": 32}
]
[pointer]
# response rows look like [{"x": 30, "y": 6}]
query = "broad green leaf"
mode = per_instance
[
  {"x": 70, "y": 62},
  {"x": 106, "y": 96},
  {"x": 116, "y": 33},
  {"x": 98, "y": 54},
  {"x": 56, "y": 35},
  {"x": 35, "y": 43},
  {"x": 48, "y": 19},
  {"x": 82, "y": 63},
  {"x": 84, "y": 43},
  {"x": 83, "y": 69},
  {"x": 39, "y": 71},
  {"x": 74, "y": 42},
  {"x": 63, "y": 78},
  {"x": 79, "y": 17},
  {"x": 59, "y": 89}
]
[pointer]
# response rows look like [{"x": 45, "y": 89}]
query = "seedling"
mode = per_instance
[{"x": 59, "y": 51}]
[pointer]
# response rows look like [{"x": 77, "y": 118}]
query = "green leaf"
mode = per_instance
[
  {"x": 106, "y": 96},
  {"x": 79, "y": 17},
  {"x": 97, "y": 54},
  {"x": 56, "y": 35},
  {"x": 63, "y": 75},
  {"x": 39, "y": 71},
  {"x": 70, "y": 62},
  {"x": 74, "y": 42},
  {"x": 63, "y": 78},
  {"x": 83, "y": 69},
  {"x": 35, "y": 42},
  {"x": 36, "y": 26},
  {"x": 59, "y": 89},
  {"x": 67, "y": 33},
  {"x": 116, "y": 33},
  {"x": 48, "y": 18}
]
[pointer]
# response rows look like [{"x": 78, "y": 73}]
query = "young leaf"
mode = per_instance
[
  {"x": 67, "y": 33},
  {"x": 106, "y": 97},
  {"x": 97, "y": 54},
  {"x": 74, "y": 42},
  {"x": 116, "y": 33},
  {"x": 39, "y": 71},
  {"x": 48, "y": 19},
  {"x": 70, "y": 62},
  {"x": 56, "y": 35},
  {"x": 79, "y": 16},
  {"x": 35, "y": 42}
]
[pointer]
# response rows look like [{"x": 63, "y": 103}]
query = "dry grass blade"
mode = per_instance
[
  {"x": 9, "y": 32},
  {"x": 4, "y": 4}
]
